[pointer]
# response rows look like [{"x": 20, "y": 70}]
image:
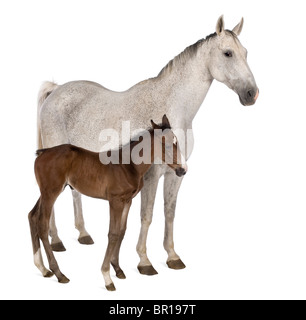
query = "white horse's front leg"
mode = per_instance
[
  {"x": 84, "y": 237},
  {"x": 172, "y": 185},
  {"x": 148, "y": 194}
]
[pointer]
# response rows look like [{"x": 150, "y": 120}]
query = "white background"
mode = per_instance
[{"x": 241, "y": 215}]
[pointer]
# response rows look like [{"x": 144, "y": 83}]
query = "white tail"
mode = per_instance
[{"x": 45, "y": 90}]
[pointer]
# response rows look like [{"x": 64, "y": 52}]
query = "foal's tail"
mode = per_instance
[
  {"x": 40, "y": 151},
  {"x": 45, "y": 90}
]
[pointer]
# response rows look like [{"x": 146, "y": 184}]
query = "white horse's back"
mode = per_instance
[{"x": 76, "y": 112}]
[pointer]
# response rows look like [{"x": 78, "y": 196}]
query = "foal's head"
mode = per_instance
[{"x": 166, "y": 147}]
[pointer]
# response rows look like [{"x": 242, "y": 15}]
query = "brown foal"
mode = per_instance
[{"x": 82, "y": 170}]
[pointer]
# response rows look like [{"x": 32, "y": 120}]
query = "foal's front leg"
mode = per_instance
[
  {"x": 115, "y": 259},
  {"x": 116, "y": 214}
]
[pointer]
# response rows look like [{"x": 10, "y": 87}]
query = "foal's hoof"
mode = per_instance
[
  {"x": 120, "y": 274},
  {"x": 176, "y": 264},
  {"x": 48, "y": 274},
  {"x": 147, "y": 270},
  {"x": 63, "y": 279},
  {"x": 58, "y": 247},
  {"x": 110, "y": 287},
  {"x": 87, "y": 240}
]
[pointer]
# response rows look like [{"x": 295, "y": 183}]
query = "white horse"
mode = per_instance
[{"x": 76, "y": 112}]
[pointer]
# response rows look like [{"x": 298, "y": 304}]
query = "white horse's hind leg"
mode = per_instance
[
  {"x": 84, "y": 237},
  {"x": 148, "y": 193},
  {"x": 171, "y": 187}
]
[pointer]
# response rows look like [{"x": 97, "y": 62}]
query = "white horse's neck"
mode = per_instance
[{"x": 186, "y": 80}]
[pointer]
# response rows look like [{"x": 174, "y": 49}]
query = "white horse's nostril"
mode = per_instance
[{"x": 251, "y": 93}]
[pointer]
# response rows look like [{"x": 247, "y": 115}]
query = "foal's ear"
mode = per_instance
[
  {"x": 154, "y": 125},
  {"x": 238, "y": 28},
  {"x": 166, "y": 122},
  {"x": 220, "y": 26}
]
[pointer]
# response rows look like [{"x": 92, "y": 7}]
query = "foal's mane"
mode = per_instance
[
  {"x": 135, "y": 140},
  {"x": 191, "y": 52}
]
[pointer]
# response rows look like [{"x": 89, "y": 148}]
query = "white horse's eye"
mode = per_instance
[{"x": 228, "y": 53}]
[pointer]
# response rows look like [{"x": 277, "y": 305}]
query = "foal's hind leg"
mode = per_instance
[
  {"x": 38, "y": 260},
  {"x": 84, "y": 237},
  {"x": 56, "y": 242},
  {"x": 115, "y": 259},
  {"x": 43, "y": 227}
]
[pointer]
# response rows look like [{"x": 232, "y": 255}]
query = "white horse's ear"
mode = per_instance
[
  {"x": 220, "y": 26},
  {"x": 238, "y": 28}
]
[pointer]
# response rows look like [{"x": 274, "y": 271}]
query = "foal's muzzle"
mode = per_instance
[{"x": 180, "y": 172}]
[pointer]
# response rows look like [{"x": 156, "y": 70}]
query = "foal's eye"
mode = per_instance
[{"x": 228, "y": 54}]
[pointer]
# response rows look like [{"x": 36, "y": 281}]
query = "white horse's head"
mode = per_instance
[{"x": 228, "y": 63}]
